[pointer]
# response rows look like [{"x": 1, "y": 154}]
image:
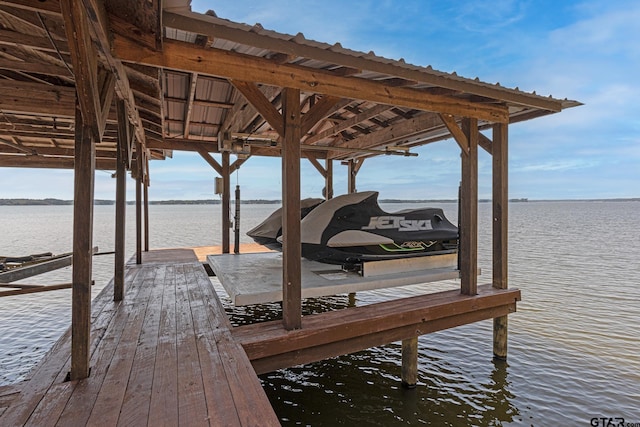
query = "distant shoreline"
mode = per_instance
[{"x": 59, "y": 202}]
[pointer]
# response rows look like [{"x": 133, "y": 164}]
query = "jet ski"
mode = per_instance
[
  {"x": 352, "y": 228},
  {"x": 267, "y": 232}
]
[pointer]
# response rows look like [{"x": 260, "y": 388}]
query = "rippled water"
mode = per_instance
[{"x": 574, "y": 346}]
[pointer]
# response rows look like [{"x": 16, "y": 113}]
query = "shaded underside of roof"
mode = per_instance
[{"x": 195, "y": 80}]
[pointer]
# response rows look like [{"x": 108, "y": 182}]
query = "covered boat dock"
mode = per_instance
[{"x": 115, "y": 84}]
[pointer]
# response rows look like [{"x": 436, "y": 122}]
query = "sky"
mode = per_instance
[{"x": 587, "y": 51}]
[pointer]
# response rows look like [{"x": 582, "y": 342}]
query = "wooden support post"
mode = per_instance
[
  {"x": 226, "y": 201},
  {"x": 84, "y": 171},
  {"x": 139, "y": 177},
  {"x": 351, "y": 178},
  {"x": 500, "y": 231},
  {"x": 468, "y": 252},
  {"x": 328, "y": 179},
  {"x": 409, "y": 371},
  {"x": 121, "y": 200},
  {"x": 145, "y": 186},
  {"x": 291, "y": 246}
]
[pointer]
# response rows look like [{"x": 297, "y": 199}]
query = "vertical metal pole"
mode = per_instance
[
  {"x": 236, "y": 223},
  {"x": 226, "y": 201}
]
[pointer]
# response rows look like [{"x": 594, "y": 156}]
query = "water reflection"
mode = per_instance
[{"x": 366, "y": 386}]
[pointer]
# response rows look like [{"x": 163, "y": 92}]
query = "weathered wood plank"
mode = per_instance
[
  {"x": 111, "y": 394},
  {"x": 137, "y": 397},
  {"x": 192, "y": 409},
  {"x": 163, "y": 408},
  {"x": 209, "y": 324},
  {"x": 52, "y": 370},
  {"x": 250, "y": 400}
]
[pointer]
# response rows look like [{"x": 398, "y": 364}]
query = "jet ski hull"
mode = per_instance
[{"x": 352, "y": 228}]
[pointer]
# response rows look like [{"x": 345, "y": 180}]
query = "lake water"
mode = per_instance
[{"x": 574, "y": 344}]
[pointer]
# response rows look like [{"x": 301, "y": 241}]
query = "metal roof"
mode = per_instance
[{"x": 177, "y": 106}]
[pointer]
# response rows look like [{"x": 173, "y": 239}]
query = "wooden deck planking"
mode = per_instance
[
  {"x": 191, "y": 410},
  {"x": 158, "y": 358},
  {"x": 241, "y": 379},
  {"x": 163, "y": 408},
  {"x": 137, "y": 400},
  {"x": 52, "y": 369}
]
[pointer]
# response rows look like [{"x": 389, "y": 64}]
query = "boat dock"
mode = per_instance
[
  {"x": 167, "y": 354},
  {"x": 164, "y": 355}
]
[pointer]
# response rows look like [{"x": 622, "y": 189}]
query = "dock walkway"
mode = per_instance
[{"x": 162, "y": 356}]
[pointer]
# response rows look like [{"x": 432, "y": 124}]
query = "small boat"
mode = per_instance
[
  {"x": 352, "y": 228},
  {"x": 267, "y": 232}
]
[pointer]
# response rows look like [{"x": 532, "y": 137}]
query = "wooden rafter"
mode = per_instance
[
  {"x": 261, "y": 103},
  {"x": 186, "y": 56},
  {"x": 346, "y": 124},
  {"x": 391, "y": 134},
  {"x": 189, "y": 103},
  {"x": 321, "y": 109}
]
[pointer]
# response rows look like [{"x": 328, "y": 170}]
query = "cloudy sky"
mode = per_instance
[{"x": 583, "y": 50}]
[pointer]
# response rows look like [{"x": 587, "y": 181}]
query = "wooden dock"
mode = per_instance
[{"x": 162, "y": 356}]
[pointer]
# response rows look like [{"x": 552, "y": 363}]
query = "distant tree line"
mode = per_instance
[{"x": 58, "y": 202}]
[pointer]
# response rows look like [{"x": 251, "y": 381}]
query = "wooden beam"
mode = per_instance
[
  {"x": 456, "y": 132},
  {"x": 189, "y": 57},
  {"x": 346, "y": 124},
  {"x": 99, "y": 27},
  {"x": 46, "y": 162},
  {"x": 291, "y": 246},
  {"x": 236, "y": 165},
  {"x": 500, "y": 230},
  {"x": 34, "y": 67},
  {"x": 485, "y": 143},
  {"x": 321, "y": 109},
  {"x": 85, "y": 63},
  {"x": 214, "y": 28},
  {"x": 179, "y": 144},
  {"x": 84, "y": 175},
  {"x": 243, "y": 113},
  {"x": 268, "y": 345},
  {"x": 212, "y": 162},
  {"x": 468, "y": 231},
  {"x": 191, "y": 96},
  {"x": 391, "y": 134},
  {"x": 37, "y": 98},
  {"x": 261, "y": 103},
  {"x": 316, "y": 164}
]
